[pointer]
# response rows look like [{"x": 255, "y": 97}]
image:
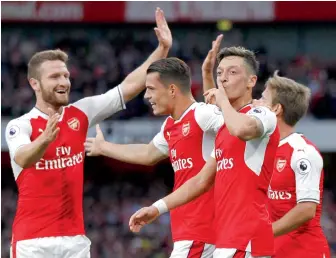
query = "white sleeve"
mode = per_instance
[
  {"x": 97, "y": 108},
  {"x": 160, "y": 142},
  {"x": 307, "y": 165},
  {"x": 209, "y": 117},
  {"x": 267, "y": 118},
  {"x": 18, "y": 132}
]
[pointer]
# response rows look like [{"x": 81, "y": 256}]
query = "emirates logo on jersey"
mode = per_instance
[
  {"x": 74, "y": 124},
  {"x": 185, "y": 129},
  {"x": 281, "y": 164},
  {"x": 173, "y": 153}
]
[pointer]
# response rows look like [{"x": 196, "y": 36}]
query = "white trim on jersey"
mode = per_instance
[
  {"x": 184, "y": 249},
  {"x": 231, "y": 252},
  {"x": 255, "y": 149},
  {"x": 99, "y": 107},
  {"x": 208, "y": 117},
  {"x": 267, "y": 118},
  {"x": 18, "y": 132},
  {"x": 160, "y": 142},
  {"x": 307, "y": 165}
]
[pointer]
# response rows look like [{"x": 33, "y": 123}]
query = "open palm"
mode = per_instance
[{"x": 162, "y": 30}]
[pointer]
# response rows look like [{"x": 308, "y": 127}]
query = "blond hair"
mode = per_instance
[
  {"x": 248, "y": 56},
  {"x": 293, "y": 96},
  {"x": 42, "y": 56}
]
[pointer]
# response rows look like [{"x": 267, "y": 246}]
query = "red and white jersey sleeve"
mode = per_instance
[
  {"x": 99, "y": 107},
  {"x": 18, "y": 132},
  {"x": 160, "y": 142},
  {"x": 307, "y": 165},
  {"x": 266, "y": 117},
  {"x": 208, "y": 117}
]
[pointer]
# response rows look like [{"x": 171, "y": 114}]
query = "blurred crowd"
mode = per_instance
[
  {"x": 107, "y": 210},
  {"x": 101, "y": 57}
]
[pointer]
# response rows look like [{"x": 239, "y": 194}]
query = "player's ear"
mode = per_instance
[
  {"x": 277, "y": 109},
  {"x": 172, "y": 90},
  {"x": 35, "y": 84},
  {"x": 252, "y": 81}
]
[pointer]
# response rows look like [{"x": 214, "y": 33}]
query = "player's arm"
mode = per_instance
[
  {"x": 209, "y": 65},
  {"x": 25, "y": 152},
  {"x": 99, "y": 107},
  {"x": 189, "y": 191},
  {"x": 194, "y": 187},
  {"x": 142, "y": 154},
  {"x": 134, "y": 83},
  {"x": 307, "y": 165},
  {"x": 258, "y": 122}
]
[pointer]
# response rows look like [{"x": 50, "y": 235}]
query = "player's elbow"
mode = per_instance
[
  {"x": 243, "y": 133},
  {"x": 308, "y": 210},
  {"x": 22, "y": 162}
]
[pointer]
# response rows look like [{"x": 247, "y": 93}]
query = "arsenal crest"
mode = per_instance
[
  {"x": 73, "y": 123},
  {"x": 281, "y": 164},
  {"x": 185, "y": 129}
]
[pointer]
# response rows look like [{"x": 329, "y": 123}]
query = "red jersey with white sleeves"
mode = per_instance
[
  {"x": 298, "y": 177},
  {"x": 189, "y": 142},
  {"x": 244, "y": 171},
  {"x": 51, "y": 191}
]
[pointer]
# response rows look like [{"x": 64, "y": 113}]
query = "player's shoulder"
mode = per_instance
[
  {"x": 203, "y": 110},
  {"x": 301, "y": 144},
  {"x": 22, "y": 123},
  {"x": 24, "y": 119},
  {"x": 304, "y": 151}
]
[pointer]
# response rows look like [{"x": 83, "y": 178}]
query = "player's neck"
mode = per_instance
[
  {"x": 180, "y": 107},
  {"x": 239, "y": 103},
  {"x": 43, "y": 107},
  {"x": 285, "y": 129}
]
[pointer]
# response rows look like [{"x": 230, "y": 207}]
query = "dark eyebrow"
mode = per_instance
[{"x": 229, "y": 67}]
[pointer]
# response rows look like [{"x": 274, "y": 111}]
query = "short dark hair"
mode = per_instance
[
  {"x": 172, "y": 70},
  {"x": 248, "y": 56},
  {"x": 39, "y": 57}
]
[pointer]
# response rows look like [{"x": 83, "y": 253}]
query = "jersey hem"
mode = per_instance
[
  {"x": 193, "y": 238},
  {"x": 58, "y": 234},
  {"x": 243, "y": 248}
]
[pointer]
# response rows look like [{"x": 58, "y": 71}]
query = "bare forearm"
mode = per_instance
[
  {"x": 236, "y": 122},
  {"x": 134, "y": 83},
  {"x": 29, "y": 154},
  {"x": 189, "y": 191},
  {"x": 129, "y": 153},
  {"x": 293, "y": 219},
  {"x": 208, "y": 80}
]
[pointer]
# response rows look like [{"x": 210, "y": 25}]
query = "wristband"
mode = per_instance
[{"x": 161, "y": 206}]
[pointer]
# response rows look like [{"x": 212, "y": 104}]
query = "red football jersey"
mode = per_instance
[
  {"x": 51, "y": 191},
  {"x": 244, "y": 170},
  {"x": 189, "y": 142},
  {"x": 298, "y": 177}
]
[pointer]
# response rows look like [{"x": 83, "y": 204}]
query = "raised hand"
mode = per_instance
[
  {"x": 142, "y": 217},
  {"x": 93, "y": 145},
  {"x": 210, "y": 60},
  {"x": 215, "y": 96},
  {"x": 162, "y": 30},
  {"x": 51, "y": 131}
]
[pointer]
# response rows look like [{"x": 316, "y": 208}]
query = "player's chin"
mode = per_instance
[{"x": 62, "y": 100}]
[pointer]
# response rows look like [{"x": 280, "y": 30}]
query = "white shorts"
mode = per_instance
[
  {"x": 234, "y": 253},
  {"x": 52, "y": 247},
  {"x": 192, "y": 249}
]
